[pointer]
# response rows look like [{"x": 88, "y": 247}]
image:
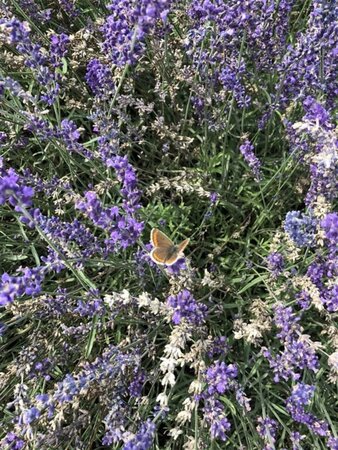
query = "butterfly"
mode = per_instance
[{"x": 165, "y": 251}]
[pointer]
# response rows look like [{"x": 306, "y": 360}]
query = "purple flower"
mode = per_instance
[
  {"x": 177, "y": 267},
  {"x": 215, "y": 417},
  {"x": 267, "y": 429},
  {"x": 300, "y": 227},
  {"x": 330, "y": 298},
  {"x": 112, "y": 365},
  {"x": 317, "y": 145},
  {"x": 298, "y": 351},
  {"x": 15, "y": 31},
  {"x": 13, "y": 189},
  {"x": 3, "y": 329},
  {"x": 214, "y": 196},
  {"x": 310, "y": 64},
  {"x": 35, "y": 58},
  {"x": 69, "y": 7},
  {"x": 316, "y": 112},
  {"x": 3, "y": 137},
  {"x": 71, "y": 237},
  {"x": 301, "y": 396},
  {"x": 219, "y": 347},
  {"x": 127, "y": 27},
  {"x": 136, "y": 385},
  {"x": 29, "y": 283},
  {"x": 224, "y": 65},
  {"x": 41, "y": 369},
  {"x": 70, "y": 135},
  {"x": 317, "y": 271},
  {"x": 143, "y": 439},
  {"x": 332, "y": 443},
  {"x": 286, "y": 320},
  {"x": 231, "y": 78},
  {"x": 250, "y": 158},
  {"x": 99, "y": 78},
  {"x": 126, "y": 175},
  {"x": 303, "y": 299},
  {"x": 12, "y": 442},
  {"x": 8, "y": 84},
  {"x": 123, "y": 230},
  {"x": 34, "y": 11},
  {"x": 40, "y": 127},
  {"x": 30, "y": 415},
  {"x": 115, "y": 422},
  {"x": 219, "y": 377},
  {"x": 92, "y": 306},
  {"x": 330, "y": 226},
  {"x": 143, "y": 261},
  {"x": 241, "y": 397},
  {"x": 186, "y": 307},
  {"x": 92, "y": 207},
  {"x": 68, "y": 388},
  {"x": 58, "y": 48},
  {"x": 50, "y": 94},
  {"x": 295, "y": 438},
  {"x": 275, "y": 262}
]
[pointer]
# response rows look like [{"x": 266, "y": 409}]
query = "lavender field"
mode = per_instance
[{"x": 214, "y": 122}]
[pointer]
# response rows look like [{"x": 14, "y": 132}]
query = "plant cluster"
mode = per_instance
[{"x": 208, "y": 119}]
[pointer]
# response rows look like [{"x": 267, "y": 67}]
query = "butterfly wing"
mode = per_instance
[
  {"x": 161, "y": 255},
  {"x": 182, "y": 245},
  {"x": 173, "y": 258},
  {"x": 159, "y": 239},
  {"x": 178, "y": 253}
]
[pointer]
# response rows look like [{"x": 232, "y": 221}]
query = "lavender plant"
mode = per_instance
[{"x": 210, "y": 120}]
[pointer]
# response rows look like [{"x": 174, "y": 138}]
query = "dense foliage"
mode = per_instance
[{"x": 212, "y": 120}]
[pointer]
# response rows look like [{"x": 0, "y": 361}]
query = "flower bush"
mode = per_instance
[{"x": 211, "y": 120}]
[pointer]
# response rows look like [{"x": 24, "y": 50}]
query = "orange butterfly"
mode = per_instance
[{"x": 165, "y": 251}]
